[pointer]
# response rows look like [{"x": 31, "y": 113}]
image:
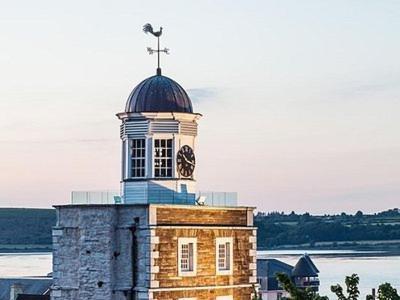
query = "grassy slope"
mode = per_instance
[
  {"x": 26, "y": 228},
  {"x": 351, "y": 231}
]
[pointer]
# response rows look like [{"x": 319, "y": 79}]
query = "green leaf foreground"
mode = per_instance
[{"x": 385, "y": 290}]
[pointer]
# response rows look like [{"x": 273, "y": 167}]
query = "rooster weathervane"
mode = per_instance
[{"x": 147, "y": 28}]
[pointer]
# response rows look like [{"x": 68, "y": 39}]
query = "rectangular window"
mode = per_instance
[
  {"x": 163, "y": 158},
  {"x": 224, "y": 256},
  {"x": 138, "y": 147},
  {"x": 187, "y": 251}
]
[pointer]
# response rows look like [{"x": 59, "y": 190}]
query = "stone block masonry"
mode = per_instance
[{"x": 120, "y": 252}]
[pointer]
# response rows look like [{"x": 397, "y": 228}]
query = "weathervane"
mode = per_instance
[{"x": 148, "y": 28}]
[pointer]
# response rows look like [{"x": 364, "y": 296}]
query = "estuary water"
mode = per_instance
[{"x": 373, "y": 268}]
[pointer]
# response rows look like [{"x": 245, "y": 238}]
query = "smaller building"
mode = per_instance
[
  {"x": 33, "y": 297},
  {"x": 25, "y": 288},
  {"x": 304, "y": 274}
]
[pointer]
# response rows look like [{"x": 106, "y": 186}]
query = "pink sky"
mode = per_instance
[{"x": 300, "y": 100}]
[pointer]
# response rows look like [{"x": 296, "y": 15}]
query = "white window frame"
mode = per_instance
[
  {"x": 223, "y": 241},
  {"x": 230, "y": 297},
  {"x": 165, "y": 158},
  {"x": 141, "y": 158},
  {"x": 183, "y": 241}
]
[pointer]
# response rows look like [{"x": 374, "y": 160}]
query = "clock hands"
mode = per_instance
[{"x": 187, "y": 160}]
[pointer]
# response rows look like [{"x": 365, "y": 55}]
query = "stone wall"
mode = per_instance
[
  {"x": 94, "y": 249},
  {"x": 92, "y": 256},
  {"x": 203, "y": 215},
  {"x": 244, "y": 258},
  {"x": 243, "y": 293}
]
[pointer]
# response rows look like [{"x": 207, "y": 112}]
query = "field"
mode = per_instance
[
  {"x": 24, "y": 248},
  {"x": 24, "y": 230},
  {"x": 359, "y": 231}
]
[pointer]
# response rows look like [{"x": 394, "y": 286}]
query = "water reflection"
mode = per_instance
[
  {"x": 373, "y": 268},
  {"x": 25, "y": 264}
]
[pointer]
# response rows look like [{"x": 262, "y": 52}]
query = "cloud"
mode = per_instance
[
  {"x": 202, "y": 94},
  {"x": 375, "y": 83},
  {"x": 56, "y": 141}
]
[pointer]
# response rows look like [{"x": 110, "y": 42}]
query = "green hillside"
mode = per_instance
[
  {"x": 278, "y": 230},
  {"x": 30, "y": 229},
  {"x": 26, "y": 228}
]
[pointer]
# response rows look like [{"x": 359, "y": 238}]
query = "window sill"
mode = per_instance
[
  {"x": 187, "y": 273},
  {"x": 224, "y": 272}
]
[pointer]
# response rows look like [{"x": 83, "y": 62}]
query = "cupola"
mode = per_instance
[
  {"x": 158, "y": 134},
  {"x": 158, "y": 94}
]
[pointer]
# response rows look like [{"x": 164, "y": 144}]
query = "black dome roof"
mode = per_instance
[
  {"x": 305, "y": 268},
  {"x": 158, "y": 94}
]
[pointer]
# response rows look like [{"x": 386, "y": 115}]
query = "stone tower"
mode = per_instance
[{"x": 158, "y": 244}]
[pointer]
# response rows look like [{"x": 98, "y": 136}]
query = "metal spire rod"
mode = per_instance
[
  {"x": 158, "y": 52},
  {"x": 147, "y": 28}
]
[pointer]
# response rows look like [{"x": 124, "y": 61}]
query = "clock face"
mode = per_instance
[{"x": 186, "y": 161}]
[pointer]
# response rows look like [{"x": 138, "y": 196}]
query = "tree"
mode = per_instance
[
  {"x": 256, "y": 295},
  {"x": 351, "y": 287},
  {"x": 295, "y": 292},
  {"x": 359, "y": 214},
  {"x": 386, "y": 292}
]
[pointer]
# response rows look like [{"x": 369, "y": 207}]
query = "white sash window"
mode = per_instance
[
  {"x": 187, "y": 256},
  {"x": 224, "y": 256},
  {"x": 163, "y": 158},
  {"x": 138, "y": 148}
]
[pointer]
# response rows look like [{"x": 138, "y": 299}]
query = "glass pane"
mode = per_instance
[
  {"x": 138, "y": 157},
  {"x": 191, "y": 256},
  {"x": 228, "y": 256}
]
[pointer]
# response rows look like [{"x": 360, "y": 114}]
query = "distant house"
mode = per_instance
[
  {"x": 304, "y": 274},
  {"x": 33, "y": 297},
  {"x": 266, "y": 275},
  {"x": 25, "y": 288}
]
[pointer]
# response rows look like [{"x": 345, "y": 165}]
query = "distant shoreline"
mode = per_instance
[
  {"x": 387, "y": 247},
  {"x": 20, "y": 248}
]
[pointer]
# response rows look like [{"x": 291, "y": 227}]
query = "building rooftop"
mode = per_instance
[
  {"x": 158, "y": 94},
  {"x": 177, "y": 206},
  {"x": 28, "y": 285},
  {"x": 269, "y": 267},
  {"x": 33, "y": 297},
  {"x": 305, "y": 268}
]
